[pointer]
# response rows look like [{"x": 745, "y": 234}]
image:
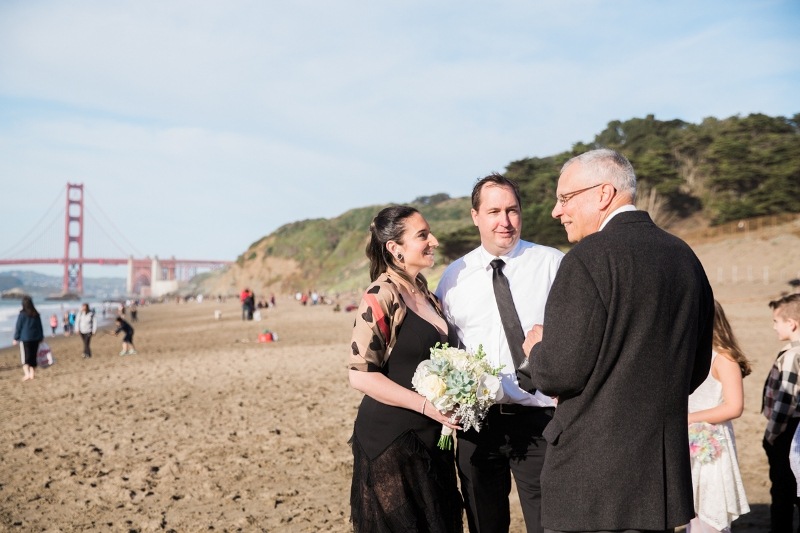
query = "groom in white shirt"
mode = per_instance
[{"x": 511, "y": 439}]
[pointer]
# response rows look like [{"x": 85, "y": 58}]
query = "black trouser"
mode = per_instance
[
  {"x": 30, "y": 349},
  {"x": 784, "y": 485},
  {"x": 510, "y": 441},
  {"x": 87, "y": 339},
  {"x": 619, "y": 531}
]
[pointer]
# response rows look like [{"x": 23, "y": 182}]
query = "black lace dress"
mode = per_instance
[{"x": 402, "y": 481}]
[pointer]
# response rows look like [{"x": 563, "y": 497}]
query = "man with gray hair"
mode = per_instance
[{"x": 626, "y": 337}]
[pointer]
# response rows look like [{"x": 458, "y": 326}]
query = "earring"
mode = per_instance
[{"x": 400, "y": 257}]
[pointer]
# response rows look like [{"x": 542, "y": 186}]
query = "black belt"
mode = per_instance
[{"x": 517, "y": 409}]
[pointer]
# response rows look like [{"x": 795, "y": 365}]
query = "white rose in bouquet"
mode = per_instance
[{"x": 459, "y": 381}]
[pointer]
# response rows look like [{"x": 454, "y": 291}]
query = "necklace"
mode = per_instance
[{"x": 402, "y": 283}]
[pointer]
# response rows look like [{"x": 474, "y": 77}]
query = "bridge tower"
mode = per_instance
[{"x": 73, "y": 234}]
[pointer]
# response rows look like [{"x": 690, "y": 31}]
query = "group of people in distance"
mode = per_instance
[
  {"x": 29, "y": 333},
  {"x": 609, "y": 354}
]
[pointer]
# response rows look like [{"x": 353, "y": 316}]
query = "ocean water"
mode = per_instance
[{"x": 9, "y": 310}]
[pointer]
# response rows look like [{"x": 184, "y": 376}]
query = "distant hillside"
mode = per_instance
[
  {"x": 42, "y": 285},
  {"x": 8, "y": 281},
  {"x": 689, "y": 175},
  {"x": 324, "y": 254}
]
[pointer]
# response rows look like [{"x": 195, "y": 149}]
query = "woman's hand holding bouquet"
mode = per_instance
[{"x": 459, "y": 383}]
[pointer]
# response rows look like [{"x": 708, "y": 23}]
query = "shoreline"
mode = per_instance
[{"x": 8, "y": 317}]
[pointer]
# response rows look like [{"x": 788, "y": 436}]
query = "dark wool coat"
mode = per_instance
[
  {"x": 29, "y": 328},
  {"x": 627, "y": 337}
]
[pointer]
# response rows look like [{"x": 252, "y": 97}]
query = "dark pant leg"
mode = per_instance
[
  {"x": 620, "y": 531},
  {"x": 31, "y": 348},
  {"x": 784, "y": 484},
  {"x": 506, "y": 443},
  {"x": 527, "y": 465},
  {"x": 485, "y": 481},
  {"x": 87, "y": 340}
]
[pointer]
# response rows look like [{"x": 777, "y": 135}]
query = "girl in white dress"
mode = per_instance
[
  {"x": 719, "y": 496},
  {"x": 794, "y": 457}
]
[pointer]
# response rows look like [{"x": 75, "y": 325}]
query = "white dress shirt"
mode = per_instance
[
  {"x": 615, "y": 212},
  {"x": 467, "y": 297}
]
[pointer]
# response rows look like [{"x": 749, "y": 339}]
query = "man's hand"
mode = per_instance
[{"x": 533, "y": 336}]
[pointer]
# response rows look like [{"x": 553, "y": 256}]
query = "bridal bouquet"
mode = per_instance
[
  {"x": 705, "y": 442},
  {"x": 459, "y": 381}
]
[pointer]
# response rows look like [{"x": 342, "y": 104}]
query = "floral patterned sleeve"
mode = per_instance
[{"x": 379, "y": 315}]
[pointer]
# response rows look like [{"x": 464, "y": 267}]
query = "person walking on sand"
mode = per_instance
[
  {"x": 243, "y": 298},
  {"x": 627, "y": 337},
  {"x": 87, "y": 326},
  {"x": 250, "y": 303},
  {"x": 127, "y": 338},
  {"x": 29, "y": 333},
  {"x": 53, "y": 324}
]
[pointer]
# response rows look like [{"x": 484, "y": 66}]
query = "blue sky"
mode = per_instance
[{"x": 201, "y": 126}]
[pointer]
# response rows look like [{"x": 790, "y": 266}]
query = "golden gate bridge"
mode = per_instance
[{"x": 146, "y": 276}]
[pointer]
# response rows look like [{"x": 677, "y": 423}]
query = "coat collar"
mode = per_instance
[{"x": 629, "y": 217}]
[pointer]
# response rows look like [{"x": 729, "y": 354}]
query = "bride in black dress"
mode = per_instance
[{"x": 401, "y": 480}]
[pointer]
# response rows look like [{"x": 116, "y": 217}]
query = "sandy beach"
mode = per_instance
[{"x": 206, "y": 429}]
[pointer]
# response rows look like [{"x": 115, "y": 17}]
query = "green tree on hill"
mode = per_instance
[{"x": 718, "y": 170}]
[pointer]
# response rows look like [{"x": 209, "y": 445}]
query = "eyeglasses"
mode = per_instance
[{"x": 564, "y": 198}]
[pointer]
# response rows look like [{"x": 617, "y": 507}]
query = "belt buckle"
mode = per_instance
[{"x": 504, "y": 406}]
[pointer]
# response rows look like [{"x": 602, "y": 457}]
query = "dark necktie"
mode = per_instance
[{"x": 511, "y": 324}]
